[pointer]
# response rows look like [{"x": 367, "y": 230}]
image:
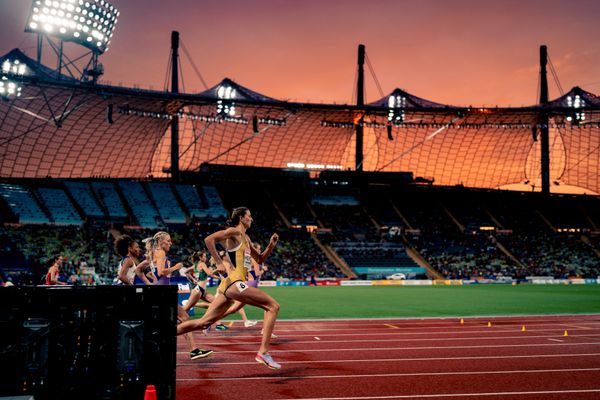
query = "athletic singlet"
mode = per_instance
[
  {"x": 241, "y": 260},
  {"x": 162, "y": 280},
  {"x": 49, "y": 278},
  {"x": 130, "y": 273},
  {"x": 202, "y": 275}
]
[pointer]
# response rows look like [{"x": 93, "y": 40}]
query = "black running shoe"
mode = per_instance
[{"x": 200, "y": 353}]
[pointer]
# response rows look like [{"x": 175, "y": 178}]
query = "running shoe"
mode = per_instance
[
  {"x": 248, "y": 323},
  {"x": 267, "y": 360},
  {"x": 221, "y": 327},
  {"x": 200, "y": 353},
  {"x": 273, "y": 336}
]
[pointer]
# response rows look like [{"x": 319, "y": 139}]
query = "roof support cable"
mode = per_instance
[
  {"x": 555, "y": 75},
  {"x": 374, "y": 75},
  {"x": 194, "y": 67}
]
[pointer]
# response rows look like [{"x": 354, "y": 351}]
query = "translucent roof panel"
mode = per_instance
[{"x": 66, "y": 129}]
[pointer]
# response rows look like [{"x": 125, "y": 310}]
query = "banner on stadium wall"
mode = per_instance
[
  {"x": 327, "y": 282},
  {"x": 447, "y": 282},
  {"x": 388, "y": 283},
  {"x": 417, "y": 282},
  {"x": 292, "y": 283},
  {"x": 388, "y": 270},
  {"x": 357, "y": 283},
  {"x": 267, "y": 283}
]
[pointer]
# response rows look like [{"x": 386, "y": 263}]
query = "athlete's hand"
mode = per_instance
[
  {"x": 224, "y": 267},
  {"x": 177, "y": 266},
  {"x": 274, "y": 239}
]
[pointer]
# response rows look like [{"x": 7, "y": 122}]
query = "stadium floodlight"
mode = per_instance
[
  {"x": 577, "y": 102},
  {"x": 225, "y": 104},
  {"x": 396, "y": 105},
  {"x": 90, "y": 23},
  {"x": 11, "y": 74}
]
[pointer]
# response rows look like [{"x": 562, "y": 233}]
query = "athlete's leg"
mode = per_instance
[
  {"x": 216, "y": 309},
  {"x": 182, "y": 316},
  {"x": 256, "y": 297},
  {"x": 193, "y": 299}
]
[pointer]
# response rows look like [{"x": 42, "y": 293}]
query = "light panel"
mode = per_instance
[
  {"x": 90, "y": 23},
  {"x": 11, "y": 74}
]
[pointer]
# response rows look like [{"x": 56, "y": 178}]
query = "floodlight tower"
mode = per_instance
[{"x": 89, "y": 23}]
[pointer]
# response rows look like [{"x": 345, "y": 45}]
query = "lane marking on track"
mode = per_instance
[
  {"x": 555, "y": 340},
  {"x": 576, "y": 326},
  {"x": 391, "y": 326},
  {"x": 195, "y": 364},
  {"x": 419, "y": 330},
  {"x": 317, "y": 338},
  {"x": 438, "y": 395},
  {"x": 495, "y": 346},
  {"x": 417, "y": 374},
  {"x": 236, "y": 342}
]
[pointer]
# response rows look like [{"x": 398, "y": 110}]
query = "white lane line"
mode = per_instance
[
  {"x": 411, "y": 374},
  {"x": 445, "y": 359},
  {"x": 402, "y": 330},
  {"x": 495, "y": 346},
  {"x": 317, "y": 338},
  {"x": 576, "y": 326},
  {"x": 439, "y": 395},
  {"x": 446, "y": 339},
  {"x": 555, "y": 340}
]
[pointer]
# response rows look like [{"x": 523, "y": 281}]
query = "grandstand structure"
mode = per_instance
[
  {"x": 77, "y": 152},
  {"x": 64, "y": 128}
]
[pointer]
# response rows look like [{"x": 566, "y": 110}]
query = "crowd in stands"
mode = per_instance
[{"x": 441, "y": 229}]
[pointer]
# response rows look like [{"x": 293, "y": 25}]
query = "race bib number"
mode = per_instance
[
  {"x": 247, "y": 259},
  {"x": 241, "y": 286}
]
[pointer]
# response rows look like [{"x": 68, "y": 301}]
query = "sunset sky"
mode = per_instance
[{"x": 450, "y": 51}]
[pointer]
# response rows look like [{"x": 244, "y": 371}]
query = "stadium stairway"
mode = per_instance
[
  {"x": 41, "y": 204},
  {"x": 585, "y": 239},
  {"x": 420, "y": 260},
  {"x": 334, "y": 257},
  {"x": 397, "y": 211},
  {"x": 586, "y": 215},
  {"x": 460, "y": 226},
  {"x": 314, "y": 214},
  {"x": 182, "y": 205},
  {"x": 508, "y": 253},
  {"x": 281, "y": 214}
]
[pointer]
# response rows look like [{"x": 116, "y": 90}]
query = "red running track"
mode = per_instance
[{"x": 402, "y": 359}]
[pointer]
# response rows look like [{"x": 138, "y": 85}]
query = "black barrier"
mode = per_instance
[{"x": 96, "y": 342}]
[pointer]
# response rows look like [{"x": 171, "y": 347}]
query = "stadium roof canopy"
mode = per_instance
[{"x": 64, "y": 128}]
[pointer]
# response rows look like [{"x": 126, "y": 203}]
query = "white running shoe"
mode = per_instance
[
  {"x": 273, "y": 336},
  {"x": 248, "y": 323},
  {"x": 267, "y": 360}
]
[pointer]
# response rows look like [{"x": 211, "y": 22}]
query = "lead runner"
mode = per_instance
[{"x": 234, "y": 287}]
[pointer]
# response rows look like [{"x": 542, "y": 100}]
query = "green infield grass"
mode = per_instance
[{"x": 429, "y": 301}]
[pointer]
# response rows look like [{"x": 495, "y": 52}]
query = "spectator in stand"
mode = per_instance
[{"x": 54, "y": 272}]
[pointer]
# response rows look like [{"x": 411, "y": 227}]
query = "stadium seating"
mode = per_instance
[
  {"x": 140, "y": 204},
  {"x": 23, "y": 205},
  {"x": 167, "y": 203},
  {"x": 459, "y": 233},
  {"x": 60, "y": 207},
  {"x": 82, "y": 193},
  {"x": 191, "y": 200},
  {"x": 108, "y": 196}
]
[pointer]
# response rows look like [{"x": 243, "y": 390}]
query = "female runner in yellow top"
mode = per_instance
[{"x": 234, "y": 287}]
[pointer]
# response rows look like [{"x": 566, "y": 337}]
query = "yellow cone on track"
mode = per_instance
[
  {"x": 489, "y": 324},
  {"x": 462, "y": 321},
  {"x": 566, "y": 333},
  {"x": 523, "y": 329}
]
